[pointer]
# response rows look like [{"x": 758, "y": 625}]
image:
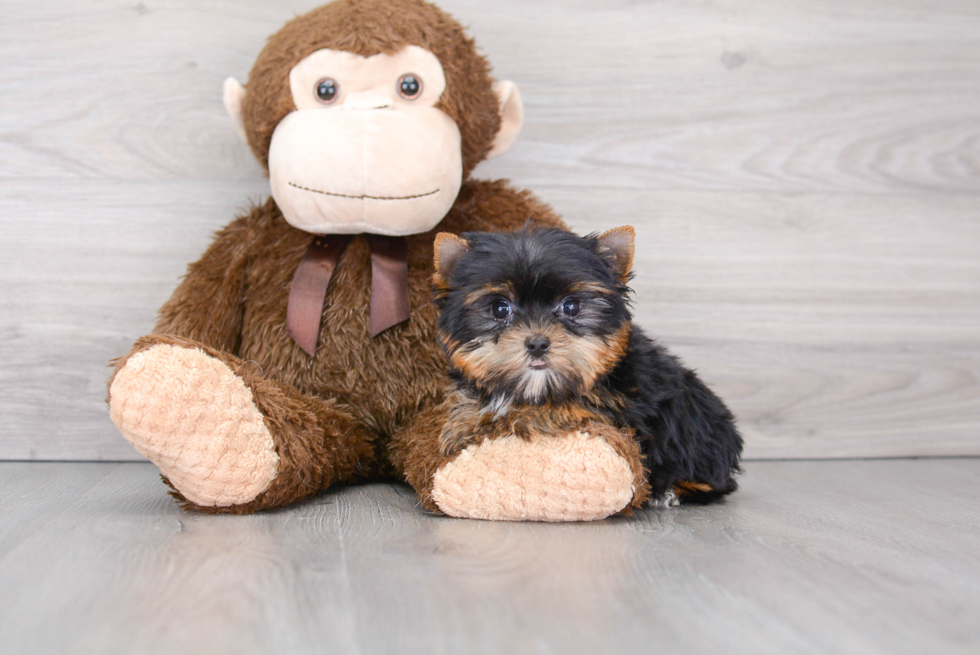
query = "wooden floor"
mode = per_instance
[{"x": 874, "y": 556}]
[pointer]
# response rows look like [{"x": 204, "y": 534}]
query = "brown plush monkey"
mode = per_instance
[{"x": 300, "y": 350}]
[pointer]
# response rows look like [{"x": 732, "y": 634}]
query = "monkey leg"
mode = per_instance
[
  {"x": 584, "y": 475},
  {"x": 225, "y": 438}
]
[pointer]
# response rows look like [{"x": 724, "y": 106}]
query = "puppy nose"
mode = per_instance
[{"x": 537, "y": 345}]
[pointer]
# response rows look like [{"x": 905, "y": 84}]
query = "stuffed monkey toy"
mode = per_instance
[{"x": 300, "y": 351}]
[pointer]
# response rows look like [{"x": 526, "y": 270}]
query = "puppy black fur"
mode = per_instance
[{"x": 542, "y": 317}]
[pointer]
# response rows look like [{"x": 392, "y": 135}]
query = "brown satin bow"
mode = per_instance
[{"x": 389, "y": 286}]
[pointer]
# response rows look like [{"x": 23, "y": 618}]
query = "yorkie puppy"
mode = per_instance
[{"x": 539, "y": 334}]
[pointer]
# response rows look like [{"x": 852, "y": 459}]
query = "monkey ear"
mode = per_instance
[
  {"x": 616, "y": 245},
  {"x": 511, "y": 117},
  {"x": 447, "y": 251},
  {"x": 234, "y": 94}
]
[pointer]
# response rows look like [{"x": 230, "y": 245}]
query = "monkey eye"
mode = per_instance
[
  {"x": 501, "y": 309},
  {"x": 327, "y": 90},
  {"x": 409, "y": 86},
  {"x": 571, "y": 307}
]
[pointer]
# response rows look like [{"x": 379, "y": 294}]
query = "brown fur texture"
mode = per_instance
[
  {"x": 416, "y": 452},
  {"x": 366, "y": 28},
  {"x": 332, "y": 417},
  {"x": 469, "y": 423}
]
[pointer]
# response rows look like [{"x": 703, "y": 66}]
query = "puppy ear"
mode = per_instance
[
  {"x": 447, "y": 250},
  {"x": 616, "y": 245}
]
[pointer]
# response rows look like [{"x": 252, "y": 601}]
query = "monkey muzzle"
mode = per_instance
[{"x": 367, "y": 166}]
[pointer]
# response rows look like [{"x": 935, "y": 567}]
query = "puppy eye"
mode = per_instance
[
  {"x": 501, "y": 309},
  {"x": 409, "y": 86},
  {"x": 327, "y": 90},
  {"x": 571, "y": 308}
]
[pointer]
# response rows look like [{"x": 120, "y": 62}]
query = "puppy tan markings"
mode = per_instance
[{"x": 562, "y": 357}]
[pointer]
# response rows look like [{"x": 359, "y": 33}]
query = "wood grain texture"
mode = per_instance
[
  {"x": 804, "y": 177},
  {"x": 808, "y": 557}
]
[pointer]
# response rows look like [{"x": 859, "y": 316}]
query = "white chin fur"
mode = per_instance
[{"x": 534, "y": 384}]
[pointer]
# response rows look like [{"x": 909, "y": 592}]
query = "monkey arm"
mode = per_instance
[
  {"x": 207, "y": 305},
  {"x": 414, "y": 450}
]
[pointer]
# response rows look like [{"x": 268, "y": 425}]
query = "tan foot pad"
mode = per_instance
[
  {"x": 576, "y": 477},
  {"x": 189, "y": 414}
]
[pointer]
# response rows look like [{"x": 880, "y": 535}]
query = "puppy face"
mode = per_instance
[{"x": 533, "y": 316}]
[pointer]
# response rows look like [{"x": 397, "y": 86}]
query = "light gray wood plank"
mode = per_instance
[
  {"x": 81, "y": 280},
  {"x": 809, "y": 557},
  {"x": 772, "y": 95},
  {"x": 804, "y": 177},
  {"x": 832, "y": 324}
]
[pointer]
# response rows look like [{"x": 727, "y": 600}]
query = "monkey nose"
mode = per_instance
[
  {"x": 537, "y": 345},
  {"x": 368, "y": 101}
]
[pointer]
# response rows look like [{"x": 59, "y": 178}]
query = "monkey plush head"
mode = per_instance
[{"x": 370, "y": 114}]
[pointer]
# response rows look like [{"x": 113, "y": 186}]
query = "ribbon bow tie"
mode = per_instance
[{"x": 389, "y": 286}]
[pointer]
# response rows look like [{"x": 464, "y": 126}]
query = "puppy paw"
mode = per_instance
[
  {"x": 193, "y": 417},
  {"x": 574, "y": 477},
  {"x": 669, "y": 499}
]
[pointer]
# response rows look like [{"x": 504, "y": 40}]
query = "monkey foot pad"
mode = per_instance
[
  {"x": 574, "y": 478},
  {"x": 194, "y": 418}
]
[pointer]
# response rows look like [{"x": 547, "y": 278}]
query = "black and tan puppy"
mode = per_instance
[{"x": 538, "y": 329}]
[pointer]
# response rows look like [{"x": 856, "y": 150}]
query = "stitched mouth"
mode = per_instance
[{"x": 345, "y": 195}]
